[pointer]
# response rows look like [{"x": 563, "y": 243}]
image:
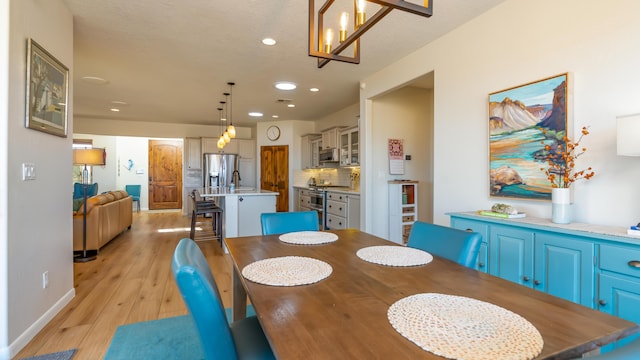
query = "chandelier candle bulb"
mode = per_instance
[
  {"x": 344, "y": 19},
  {"x": 361, "y": 16},
  {"x": 328, "y": 41}
]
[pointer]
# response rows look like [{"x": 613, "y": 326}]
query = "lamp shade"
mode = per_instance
[{"x": 93, "y": 156}]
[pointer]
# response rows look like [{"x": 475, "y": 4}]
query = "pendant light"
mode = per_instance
[
  {"x": 231, "y": 129},
  {"x": 225, "y": 134},
  {"x": 221, "y": 142}
]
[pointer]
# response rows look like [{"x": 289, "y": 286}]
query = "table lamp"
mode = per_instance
[
  {"x": 629, "y": 136},
  {"x": 86, "y": 157}
]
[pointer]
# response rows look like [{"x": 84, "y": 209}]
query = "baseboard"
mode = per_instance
[{"x": 35, "y": 328}]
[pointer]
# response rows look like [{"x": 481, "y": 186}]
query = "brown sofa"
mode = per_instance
[{"x": 108, "y": 215}]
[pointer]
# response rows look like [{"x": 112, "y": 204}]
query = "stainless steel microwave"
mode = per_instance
[{"x": 329, "y": 155}]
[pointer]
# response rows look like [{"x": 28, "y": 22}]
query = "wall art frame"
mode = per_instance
[
  {"x": 522, "y": 120},
  {"x": 47, "y": 91}
]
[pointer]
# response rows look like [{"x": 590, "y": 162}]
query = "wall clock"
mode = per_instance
[{"x": 273, "y": 133}]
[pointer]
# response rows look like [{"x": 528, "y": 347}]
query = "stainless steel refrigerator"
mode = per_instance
[{"x": 220, "y": 170}]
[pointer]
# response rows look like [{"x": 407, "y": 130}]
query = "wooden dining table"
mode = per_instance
[{"x": 344, "y": 316}]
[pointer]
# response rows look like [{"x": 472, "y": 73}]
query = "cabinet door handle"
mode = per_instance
[
  {"x": 480, "y": 265},
  {"x": 525, "y": 278},
  {"x": 634, "y": 263},
  {"x": 602, "y": 302},
  {"x": 241, "y": 199},
  {"x": 536, "y": 282},
  {"x": 340, "y": 209}
]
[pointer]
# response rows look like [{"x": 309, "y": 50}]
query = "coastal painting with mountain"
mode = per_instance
[{"x": 522, "y": 120}]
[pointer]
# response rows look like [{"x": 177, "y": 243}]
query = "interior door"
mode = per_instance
[
  {"x": 274, "y": 173},
  {"x": 165, "y": 174}
]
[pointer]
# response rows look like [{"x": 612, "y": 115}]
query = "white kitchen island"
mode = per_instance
[{"x": 242, "y": 209}]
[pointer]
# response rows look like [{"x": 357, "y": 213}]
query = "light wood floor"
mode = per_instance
[{"x": 130, "y": 281}]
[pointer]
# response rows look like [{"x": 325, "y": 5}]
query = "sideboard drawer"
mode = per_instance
[{"x": 620, "y": 259}]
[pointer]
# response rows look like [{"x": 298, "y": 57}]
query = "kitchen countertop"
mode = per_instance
[
  {"x": 218, "y": 192},
  {"x": 333, "y": 188}
]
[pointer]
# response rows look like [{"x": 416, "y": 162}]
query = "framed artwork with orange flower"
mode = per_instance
[{"x": 523, "y": 121}]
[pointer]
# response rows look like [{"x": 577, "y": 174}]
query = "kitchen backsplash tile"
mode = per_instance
[{"x": 338, "y": 176}]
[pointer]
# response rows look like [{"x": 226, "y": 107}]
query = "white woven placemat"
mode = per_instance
[
  {"x": 287, "y": 271},
  {"x": 458, "y": 327},
  {"x": 394, "y": 255},
  {"x": 308, "y": 237}
]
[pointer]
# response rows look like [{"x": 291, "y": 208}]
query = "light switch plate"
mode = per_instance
[{"x": 28, "y": 171}]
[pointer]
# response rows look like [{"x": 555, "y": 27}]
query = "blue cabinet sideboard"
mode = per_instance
[{"x": 596, "y": 266}]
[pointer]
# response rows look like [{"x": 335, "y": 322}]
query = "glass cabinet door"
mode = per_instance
[{"x": 354, "y": 148}]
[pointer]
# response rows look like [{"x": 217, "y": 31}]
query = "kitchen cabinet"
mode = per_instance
[
  {"x": 353, "y": 211},
  {"x": 194, "y": 156},
  {"x": 246, "y": 148},
  {"x": 310, "y": 145},
  {"x": 349, "y": 147},
  {"x": 403, "y": 209},
  {"x": 302, "y": 200},
  {"x": 343, "y": 210},
  {"x": 331, "y": 137}
]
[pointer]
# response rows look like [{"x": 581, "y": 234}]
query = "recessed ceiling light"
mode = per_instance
[
  {"x": 115, "y": 110},
  {"x": 269, "y": 41},
  {"x": 291, "y": 105},
  {"x": 94, "y": 80},
  {"x": 314, "y": 89},
  {"x": 285, "y": 85},
  {"x": 275, "y": 116},
  {"x": 118, "y": 102},
  {"x": 255, "y": 114}
]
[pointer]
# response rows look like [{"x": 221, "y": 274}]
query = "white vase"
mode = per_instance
[{"x": 561, "y": 205}]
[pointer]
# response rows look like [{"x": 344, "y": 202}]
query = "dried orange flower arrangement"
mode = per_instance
[{"x": 561, "y": 160}]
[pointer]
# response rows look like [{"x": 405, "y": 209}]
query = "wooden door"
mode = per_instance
[
  {"x": 165, "y": 174},
  {"x": 274, "y": 173}
]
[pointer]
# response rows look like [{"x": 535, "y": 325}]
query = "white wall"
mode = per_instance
[
  {"x": 509, "y": 46},
  {"x": 404, "y": 114},
  {"x": 28, "y": 250},
  {"x": 4, "y": 186},
  {"x": 347, "y": 117}
]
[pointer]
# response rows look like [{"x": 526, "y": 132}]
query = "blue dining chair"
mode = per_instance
[
  {"x": 243, "y": 339},
  {"x": 630, "y": 351},
  {"x": 285, "y": 222},
  {"x": 454, "y": 244},
  {"x": 134, "y": 191}
]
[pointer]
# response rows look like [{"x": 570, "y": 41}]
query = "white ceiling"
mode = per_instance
[{"x": 170, "y": 61}]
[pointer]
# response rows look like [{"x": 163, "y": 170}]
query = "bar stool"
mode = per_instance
[{"x": 203, "y": 207}]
